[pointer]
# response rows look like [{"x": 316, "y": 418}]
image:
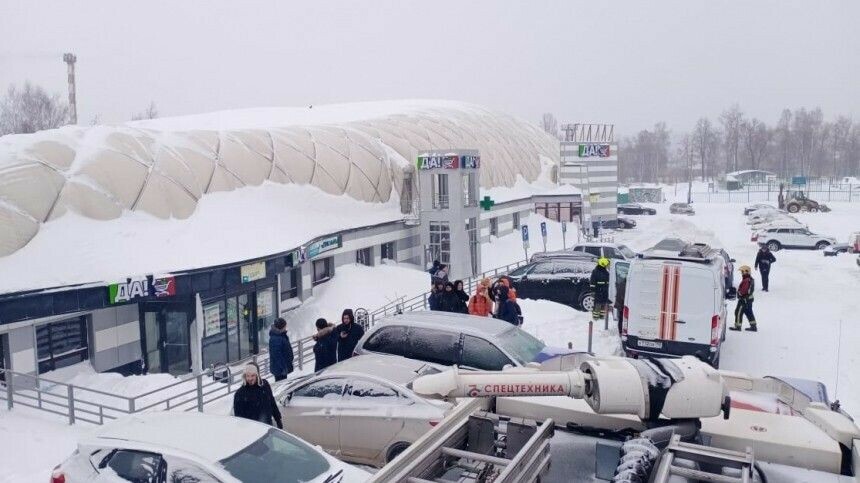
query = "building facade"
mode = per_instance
[{"x": 589, "y": 161}]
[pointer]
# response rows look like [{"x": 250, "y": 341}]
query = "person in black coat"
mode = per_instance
[
  {"x": 348, "y": 334},
  {"x": 435, "y": 298},
  {"x": 449, "y": 301},
  {"x": 763, "y": 261},
  {"x": 508, "y": 309},
  {"x": 463, "y": 296},
  {"x": 254, "y": 400},
  {"x": 280, "y": 350},
  {"x": 325, "y": 348}
]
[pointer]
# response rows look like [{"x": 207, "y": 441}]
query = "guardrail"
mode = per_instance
[{"x": 194, "y": 392}]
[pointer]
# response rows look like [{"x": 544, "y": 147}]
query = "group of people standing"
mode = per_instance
[
  {"x": 497, "y": 299},
  {"x": 332, "y": 343}
]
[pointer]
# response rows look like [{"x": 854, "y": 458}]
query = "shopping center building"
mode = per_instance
[{"x": 171, "y": 245}]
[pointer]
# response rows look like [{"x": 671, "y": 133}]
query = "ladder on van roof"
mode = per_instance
[{"x": 704, "y": 463}]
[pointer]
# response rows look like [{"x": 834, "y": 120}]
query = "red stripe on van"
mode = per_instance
[
  {"x": 676, "y": 288},
  {"x": 664, "y": 296}
]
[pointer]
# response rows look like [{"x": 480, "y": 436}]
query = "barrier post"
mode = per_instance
[
  {"x": 590, "y": 332},
  {"x": 301, "y": 353},
  {"x": 71, "y": 397},
  {"x": 9, "y": 391},
  {"x": 200, "y": 390}
]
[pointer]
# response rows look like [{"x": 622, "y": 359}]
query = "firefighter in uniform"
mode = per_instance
[
  {"x": 600, "y": 286},
  {"x": 746, "y": 291}
]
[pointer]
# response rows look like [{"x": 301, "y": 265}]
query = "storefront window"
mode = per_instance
[
  {"x": 387, "y": 251},
  {"x": 440, "y": 241},
  {"x": 323, "y": 270},
  {"x": 364, "y": 256},
  {"x": 290, "y": 283},
  {"x": 61, "y": 344},
  {"x": 214, "y": 341},
  {"x": 266, "y": 313}
]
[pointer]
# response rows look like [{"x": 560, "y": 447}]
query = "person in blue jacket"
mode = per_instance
[
  {"x": 280, "y": 350},
  {"x": 507, "y": 307}
]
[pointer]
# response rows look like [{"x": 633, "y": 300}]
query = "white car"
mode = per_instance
[
  {"x": 779, "y": 238},
  {"x": 363, "y": 409},
  {"x": 608, "y": 250},
  {"x": 166, "y": 447},
  {"x": 766, "y": 215},
  {"x": 757, "y": 206}
]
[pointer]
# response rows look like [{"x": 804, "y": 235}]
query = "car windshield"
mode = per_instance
[
  {"x": 522, "y": 346},
  {"x": 277, "y": 456},
  {"x": 628, "y": 253},
  {"x": 522, "y": 270}
]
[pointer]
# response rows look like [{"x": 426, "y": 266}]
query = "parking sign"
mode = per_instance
[
  {"x": 564, "y": 227},
  {"x": 543, "y": 229}
]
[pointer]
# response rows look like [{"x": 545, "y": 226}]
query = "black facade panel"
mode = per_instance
[
  {"x": 200, "y": 282},
  {"x": 216, "y": 279},
  {"x": 65, "y": 302},
  {"x": 92, "y": 298},
  {"x": 232, "y": 278}
]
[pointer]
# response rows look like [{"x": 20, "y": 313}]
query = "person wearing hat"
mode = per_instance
[
  {"x": 254, "y": 400},
  {"x": 600, "y": 286},
  {"x": 746, "y": 291}
]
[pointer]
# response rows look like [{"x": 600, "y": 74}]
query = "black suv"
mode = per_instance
[
  {"x": 560, "y": 279},
  {"x": 635, "y": 209}
]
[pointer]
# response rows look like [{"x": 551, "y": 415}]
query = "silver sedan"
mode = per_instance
[{"x": 361, "y": 410}]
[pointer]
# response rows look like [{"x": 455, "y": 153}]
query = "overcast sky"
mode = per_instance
[{"x": 628, "y": 62}]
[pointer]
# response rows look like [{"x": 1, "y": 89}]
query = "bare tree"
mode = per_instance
[
  {"x": 151, "y": 112},
  {"x": 549, "y": 124},
  {"x": 705, "y": 140},
  {"x": 755, "y": 137},
  {"x": 784, "y": 141},
  {"x": 809, "y": 133},
  {"x": 731, "y": 120},
  {"x": 31, "y": 109}
]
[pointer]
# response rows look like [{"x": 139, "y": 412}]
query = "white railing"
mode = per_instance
[{"x": 190, "y": 393}]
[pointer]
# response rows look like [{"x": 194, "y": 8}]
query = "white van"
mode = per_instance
[{"x": 675, "y": 304}]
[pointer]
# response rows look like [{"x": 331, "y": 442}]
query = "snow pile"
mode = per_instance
[
  {"x": 356, "y": 286},
  {"x": 557, "y": 325},
  {"x": 227, "y": 227},
  {"x": 543, "y": 185}
]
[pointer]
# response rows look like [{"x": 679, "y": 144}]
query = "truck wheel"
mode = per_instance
[
  {"x": 586, "y": 301},
  {"x": 813, "y": 209},
  {"x": 773, "y": 246},
  {"x": 716, "y": 361},
  {"x": 792, "y": 208},
  {"x": 821, "y": 245}
]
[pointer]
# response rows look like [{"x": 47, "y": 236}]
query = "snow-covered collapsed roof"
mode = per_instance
[{"x": 164, "y": 167}]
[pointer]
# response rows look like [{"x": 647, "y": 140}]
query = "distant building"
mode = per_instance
[
  {"x": 748, "y": 176},
  {"x": 589, "y": 161}
]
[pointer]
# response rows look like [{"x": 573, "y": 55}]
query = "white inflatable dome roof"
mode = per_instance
[{"x": 165, "y": 166}]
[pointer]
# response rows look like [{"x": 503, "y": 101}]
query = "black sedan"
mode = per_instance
[
  {"x": 635, "y": 209},
  {"x": 560, "y": 279}
]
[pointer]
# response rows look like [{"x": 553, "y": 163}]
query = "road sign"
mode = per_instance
[
  {"x": 564, "y": 227},
  {"x": 563, "y": 235},
  {"x": 525, "y": 233},
  {"x": 543, "y": 233}
]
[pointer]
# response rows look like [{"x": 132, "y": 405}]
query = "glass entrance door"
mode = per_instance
[
  {"x": 177, "y": 347},
  {"x": 167, "y": 338}
]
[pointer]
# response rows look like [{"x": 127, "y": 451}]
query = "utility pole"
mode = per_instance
[{"x": 70, "y": 60}]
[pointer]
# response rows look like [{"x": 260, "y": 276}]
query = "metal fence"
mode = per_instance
[
  {"x": 818, "y": 191},
  {"x": 194, "y": 392}
]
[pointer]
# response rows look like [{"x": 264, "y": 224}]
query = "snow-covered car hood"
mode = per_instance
[{"x": 550, "y": 352}]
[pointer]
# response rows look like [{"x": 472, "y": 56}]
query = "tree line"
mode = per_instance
[
  {"x": 801, "y": 143},
  {"x": 30, "y": 108}
]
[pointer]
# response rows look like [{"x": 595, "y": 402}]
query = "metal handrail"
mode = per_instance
[{"x": 204, "y": 388}]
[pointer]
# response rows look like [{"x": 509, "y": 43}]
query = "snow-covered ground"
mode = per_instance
[{"x": 807, "y": 322}]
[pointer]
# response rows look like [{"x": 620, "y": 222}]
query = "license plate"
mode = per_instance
[{"x": 650, "y": 343}]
